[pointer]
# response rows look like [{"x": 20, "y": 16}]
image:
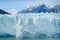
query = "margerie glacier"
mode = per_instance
[
  {"x": 30, "y": 25},
  {"x": 39, "y": 22}
]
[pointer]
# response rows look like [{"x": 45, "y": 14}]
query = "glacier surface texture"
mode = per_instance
[{"x": 30, "y": 25}]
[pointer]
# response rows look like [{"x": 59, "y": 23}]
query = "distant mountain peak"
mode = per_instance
[
  {"x": 41, "y": 8},
  {"x": 35, "y": 9},
  {"x": 55, "y": 9},
  {"x": 43, "y": 5},
  {"x": 3, "y": 12}
]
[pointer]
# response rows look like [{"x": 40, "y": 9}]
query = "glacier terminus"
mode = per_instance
[{"x": 30, "y": 25}]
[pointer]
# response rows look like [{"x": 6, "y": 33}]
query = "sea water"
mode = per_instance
[{"x": 13, "y": 38}]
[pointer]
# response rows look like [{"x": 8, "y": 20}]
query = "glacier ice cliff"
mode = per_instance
[
  {"x": 7, "y": 25},
  {"x": 30, "y": 25}
]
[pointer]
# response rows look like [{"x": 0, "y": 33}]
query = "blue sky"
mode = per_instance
[{"x": 22, "y": 4}]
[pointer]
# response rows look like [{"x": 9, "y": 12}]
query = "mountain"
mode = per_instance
[
  {"x": 38, "y": 9},
  {"x": 41, "y": 8},
  {"x": 55, "y": 9},
  {"x": 3, "y": 12}
]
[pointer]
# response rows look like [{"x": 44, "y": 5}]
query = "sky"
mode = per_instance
[{"x": 22, "y": 4}]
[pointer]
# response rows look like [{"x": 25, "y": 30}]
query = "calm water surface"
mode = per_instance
[{"x": 13, "y": 38}]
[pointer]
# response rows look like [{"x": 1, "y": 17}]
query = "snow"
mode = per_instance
[
  {"x": 31, "y": 24},
  {"x": 13, "y": 11}
]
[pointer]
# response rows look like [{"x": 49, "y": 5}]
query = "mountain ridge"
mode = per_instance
[
  {"x": 41, "y": 8},
  {"x": 3, "y": 12}
]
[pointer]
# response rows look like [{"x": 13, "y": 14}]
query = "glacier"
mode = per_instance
[{"x": 30, "y": 25}]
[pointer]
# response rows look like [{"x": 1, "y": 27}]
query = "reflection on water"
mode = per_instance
[{"x": 13, "y": 38}]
